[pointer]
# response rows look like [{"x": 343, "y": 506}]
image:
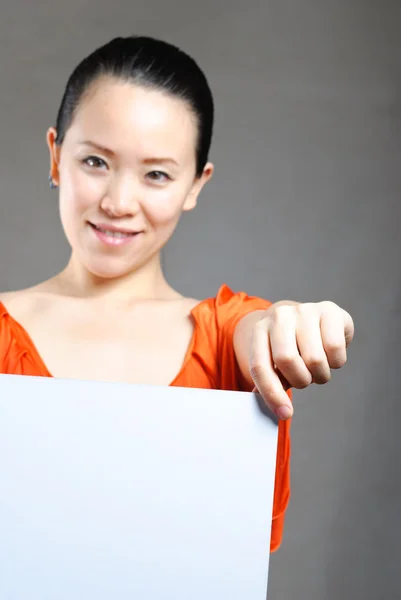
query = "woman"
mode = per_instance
[{"x": 129, "y": 153}]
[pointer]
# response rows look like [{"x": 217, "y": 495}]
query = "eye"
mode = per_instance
[
  {"x": 94, "y": 162},
  {"x": 158, "y": 176}
]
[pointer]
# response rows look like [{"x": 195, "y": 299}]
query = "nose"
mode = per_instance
[{"x": 121, "y": 200}]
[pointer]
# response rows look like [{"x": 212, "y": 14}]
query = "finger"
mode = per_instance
[
  {"x": 310, "y": 344},
  {"x": 264, "y": 375},
  {"x": 333, "y": 337},
  {"x": 286, "y": 385},
  {"x": 286, "y": 356},
  {"x": 349, "y": 328}
]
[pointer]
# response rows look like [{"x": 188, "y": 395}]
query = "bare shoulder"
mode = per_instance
[
  {"x": 190, "y": 303},
  {"x": 15, "y": 297},
  {"x": 20, "y": 302},
  {"x": 187, "y": 305},
  {"x": 181, "y": 302}
]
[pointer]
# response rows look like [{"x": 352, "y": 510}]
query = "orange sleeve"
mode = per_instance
[
  {"x": 6, "y": 341},
  {"x": 17, "y": 354},
  {"x": 230, "y": 307}
]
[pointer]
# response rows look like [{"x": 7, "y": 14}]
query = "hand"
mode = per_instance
[{"x": 294, "y": 345}]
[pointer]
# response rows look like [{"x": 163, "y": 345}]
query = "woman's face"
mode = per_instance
[{"x": 126, "y": 171}]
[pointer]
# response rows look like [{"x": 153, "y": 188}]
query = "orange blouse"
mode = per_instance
[{"x": 210, "y": 363}]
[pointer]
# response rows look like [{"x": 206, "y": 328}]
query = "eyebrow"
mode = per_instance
[
  {"x": 160, "y": 160},
  {"x": 97, "y": 146},
  {"x": 147, "y": 161}
]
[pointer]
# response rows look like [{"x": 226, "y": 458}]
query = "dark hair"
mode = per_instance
[{"x": 150, "y": 63}]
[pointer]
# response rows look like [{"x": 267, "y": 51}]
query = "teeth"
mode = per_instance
[{"x": 115, "y": 234}]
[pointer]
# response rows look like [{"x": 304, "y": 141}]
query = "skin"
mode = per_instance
[
  {"x": 292, "y": 345},
  {"x": 128, "y": 160}
]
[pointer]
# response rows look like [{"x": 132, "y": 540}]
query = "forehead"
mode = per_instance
[{"x": 129, "y": 117}]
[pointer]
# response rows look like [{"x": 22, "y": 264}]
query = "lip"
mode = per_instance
[
  {"x": 109, "y": 227},
  {"x": 128, "y": 235}
]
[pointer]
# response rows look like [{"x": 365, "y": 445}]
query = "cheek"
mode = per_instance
[
  {"x": 164, "y": 207},
  {"x": 78, "y": 192}
]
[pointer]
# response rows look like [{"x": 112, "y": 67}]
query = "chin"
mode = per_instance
[{"x": 104, "y": 269}]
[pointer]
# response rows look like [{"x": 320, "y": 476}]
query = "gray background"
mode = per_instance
[{"x": 305, "y": 204}]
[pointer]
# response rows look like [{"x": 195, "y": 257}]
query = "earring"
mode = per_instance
[{"x": 51, "y": 183}]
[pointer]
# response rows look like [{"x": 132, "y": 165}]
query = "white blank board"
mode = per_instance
[{"x": 113, "y": 491}]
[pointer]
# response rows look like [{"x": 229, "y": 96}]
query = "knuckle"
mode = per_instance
[
  {"x": 282, "y": 313},
  {"x": 328, "y": 305},
  {"x": 334, "y": 348},
  {"x": 306, "y": 308},
  {"x": 313, "y": 361},
  {"x": 338, "y": 362},
  {"x": 322, "y": 379},
  {"x": 303, "y": 383},
  {"x": 261, "y": 324},
  {"x": 285, "y": 359},
  {"x": 256, "y": 370}
]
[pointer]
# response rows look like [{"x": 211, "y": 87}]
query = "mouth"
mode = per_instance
[{"x": 114, "y": 232}]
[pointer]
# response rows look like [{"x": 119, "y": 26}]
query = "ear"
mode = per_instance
[
  {"x": 54, "y": 150},
  {"x": 197, "y": 186}
]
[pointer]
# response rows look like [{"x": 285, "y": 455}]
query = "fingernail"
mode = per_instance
[{"x": 284, "y": 412}]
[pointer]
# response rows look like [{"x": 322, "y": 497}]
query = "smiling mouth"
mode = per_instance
[{"x": 114, "y": 233}]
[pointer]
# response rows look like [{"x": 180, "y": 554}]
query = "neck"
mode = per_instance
[{"x": 146, "y": 283}]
